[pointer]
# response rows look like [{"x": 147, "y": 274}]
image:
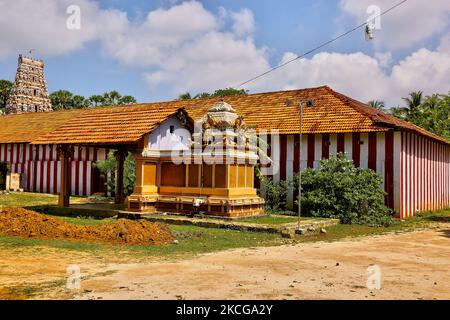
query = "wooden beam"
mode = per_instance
[{"x": 65, "y": 153}]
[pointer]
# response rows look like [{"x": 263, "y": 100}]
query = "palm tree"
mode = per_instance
[
  {"x": 5, "y": 89},
  {"x": 376, "y": 104},
  {"x": 61, "y": 99},
  {"x": 412, "y": 109},
  {"x": 96, "y": 100},
  {"x": 414, "y": 100},
  {"x": 185, "y": 96}
]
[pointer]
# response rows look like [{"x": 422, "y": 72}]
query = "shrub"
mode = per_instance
[
  {"x": 275, "y": 193},
  {"x": 129, "y": 174},
  {"x": 340, "y": 190}
]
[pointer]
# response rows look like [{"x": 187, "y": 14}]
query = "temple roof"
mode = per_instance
[{"x": 331, "y": 112}]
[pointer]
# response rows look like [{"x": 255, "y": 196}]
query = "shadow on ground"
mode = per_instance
[{"x": 445, "y": 233}]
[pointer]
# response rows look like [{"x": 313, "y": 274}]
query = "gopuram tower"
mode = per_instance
[{"x": 29, "y": 93}]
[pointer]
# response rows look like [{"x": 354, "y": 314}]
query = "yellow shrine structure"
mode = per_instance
[{"x": 214, "y": 175}]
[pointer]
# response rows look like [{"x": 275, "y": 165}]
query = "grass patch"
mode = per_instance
[
  {"x": 271, "y": 220},
  {"x": 191, "y": 240},
  {"x": 342, "y": 231},
  {"x": 27, "y": 199}
]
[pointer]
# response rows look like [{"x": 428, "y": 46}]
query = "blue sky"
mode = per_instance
[{"x": 155, "y": 50}]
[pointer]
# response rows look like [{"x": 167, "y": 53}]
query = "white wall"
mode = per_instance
[{"x": 162, "y": 139}]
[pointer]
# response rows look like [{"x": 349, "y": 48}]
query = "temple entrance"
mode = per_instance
[{"x": 3, "y": 173}]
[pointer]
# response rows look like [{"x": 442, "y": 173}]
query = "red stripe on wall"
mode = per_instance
[
  {"x": 55, "y": 177},
  {"x": 356, "y": 149},
  {"x": 41, "y": 181},
  {"x": 296, "y": 153},
  {"x": 70, "y": 176},
  {"x": 85, "y": 177},
  {"x": 311, "y": 150},
  {"x": 372, "y": 163},
  {"x": 77, "y": 177},
  {"x": 283, "y": 156},
  {"x": 48, "y": 176},
  {"x": 35, "y": 168},
  {"x": 341, "y": 142},
  {"x": 325, "y": 146},
  {"x": 28, "y": 176},
  {"x": 18, "y": 153},
  {"x": 389, "y": 170}
]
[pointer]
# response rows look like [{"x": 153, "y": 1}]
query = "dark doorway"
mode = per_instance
[
  {"x": 98, "y": 182},
  {"x": 3, "y": 173}
]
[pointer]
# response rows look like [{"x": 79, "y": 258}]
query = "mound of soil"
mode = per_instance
[{"x": 29, "y": 224}]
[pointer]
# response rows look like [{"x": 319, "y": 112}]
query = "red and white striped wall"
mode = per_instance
[
  {"x": 42, "y": 169},
  {"x": 425, "y": 175},
  {"x": 415, "y": 169}
]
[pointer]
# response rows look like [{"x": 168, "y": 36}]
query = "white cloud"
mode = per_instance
[
  {"x": 243, "y": 22},
  {"x": 41, "y": 25},
  {"x": 365, "y": 78},
  {"x": 407, "y": 25},
  {"x": 185, "y": 47},
  {"x": 188, "y": 48},
  {"x": 384, "y": 59}
]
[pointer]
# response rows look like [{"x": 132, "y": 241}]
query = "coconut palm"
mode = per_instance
[{"x": 376, "y": 104}]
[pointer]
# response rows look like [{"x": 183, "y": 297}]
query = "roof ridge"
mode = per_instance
[
  {"x": 225, "y": 97},
  {"x": 384, "y": 118}
]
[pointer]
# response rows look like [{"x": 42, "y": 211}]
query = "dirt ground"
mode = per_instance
[
  {"x": 413, "y": 266},
  {"x": 33, "y": 225}
]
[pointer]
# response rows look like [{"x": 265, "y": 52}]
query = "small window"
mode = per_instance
[{"x": 172, "y": 129}]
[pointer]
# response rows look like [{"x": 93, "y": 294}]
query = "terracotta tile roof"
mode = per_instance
[
  {"x": 28, "y": 126},
  {"x": 384, "y": 119},
  {"x": 332, "y": 113},
  {"x": 108, "y": 125}
]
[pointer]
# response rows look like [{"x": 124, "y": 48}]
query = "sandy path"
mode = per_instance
[{"x": 414, "y": 266}]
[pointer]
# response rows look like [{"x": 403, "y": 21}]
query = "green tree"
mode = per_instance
[
  {"x": 61, "y": 99},
  {"x": 217, "y": 94},
  {"x": 114, "y": 98},
  {"x": 129, "y": 172},
  {"x": 411, "y": 112},
  {"x": 185, "y": 96},
  {"x": 95, "y": 100},
  {"x": 431, "y": 113},
  {"x": 340, "y": 190},
  {"x": 376, "y": 104},
  {"x": 5, "y": 90}
]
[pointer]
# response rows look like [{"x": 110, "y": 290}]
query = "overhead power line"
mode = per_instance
[{"x": 320, "y": 46}]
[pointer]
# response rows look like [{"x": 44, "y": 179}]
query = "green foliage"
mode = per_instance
[
  {"x": 275, "y": 193},
  {"x": 340, "y": 190},
  {"x": 129, "y": 174},
  {"x": 5, "y": 90},
  {"x": 114, "y": 98},
  {"x": 217, "y": 94},
  {"x": 376, "y": 104},
  {"x": 431, "y": 113},
  {"x": 63, "y": 99}
]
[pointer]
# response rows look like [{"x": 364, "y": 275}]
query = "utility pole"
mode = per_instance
[{"x": 301, "y": 104}]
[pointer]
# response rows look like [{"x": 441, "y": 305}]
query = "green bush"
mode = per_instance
[
  {"x": 129, "y": 174},
  {"x": 340, "y": 190},
  {"x": 275, "y": 193}
]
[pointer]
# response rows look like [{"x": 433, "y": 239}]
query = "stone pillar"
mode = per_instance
[
  {"x": 65, "y": 153},
  {"x": 120, "y": 154}
]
